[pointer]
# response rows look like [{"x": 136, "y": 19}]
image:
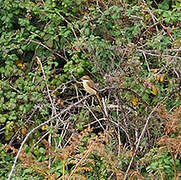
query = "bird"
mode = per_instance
[
  {"x": 89, "y": 85},
  {"x": 91, "y": 88}
]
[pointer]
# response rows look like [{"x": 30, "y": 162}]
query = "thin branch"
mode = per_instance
[
  {"x": 51, "y": 101},
  {"x": 139, "y": 140},
  {"x": 95, "y": 117},
  {"x": 40, "y": 125},
  {"x": 15, "y": 89},
  {"x": 46, "y": 82},
  {"x": 31, "y": 115},
  {"x": 46, "y": 47},
  {"x": 146, "y": 61},
  {"x": 141, "y": 50},
  {"x": 71, "y": 26}
]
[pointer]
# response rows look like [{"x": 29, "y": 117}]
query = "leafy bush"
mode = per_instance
[{"x": 132, "y": 48}]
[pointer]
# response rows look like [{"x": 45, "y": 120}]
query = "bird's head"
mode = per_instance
[{"x": 84, "y": 78}]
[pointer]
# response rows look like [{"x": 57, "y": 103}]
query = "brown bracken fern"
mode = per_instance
[
  {"x": 172, "y": 127},
  {"x": 76, "y": 162}
]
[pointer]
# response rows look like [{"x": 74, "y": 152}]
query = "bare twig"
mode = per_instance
[
  {"x": 37, "y": 127},
  {"x": 139, "y": 139},
  {"x": 156, "y": 51},
  {"x": 15, "y": 89},
  {"x": 71, "y": 26},
  {"x": 46, "y": 80},
  {"x": 155, "y": 19},
  {"x": 146, "y": 61},
  {"x": 51, "y": 101},
  {"x": 14, "y": 136},
  {"x": 63, "y": 133},
  {"x": 46, "y": 47},
  {"x": 42, "y": 137},
  {"x": 95, "y": 117}
]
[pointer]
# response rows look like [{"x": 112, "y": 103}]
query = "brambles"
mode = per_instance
[{"x": 131, "y": 48}]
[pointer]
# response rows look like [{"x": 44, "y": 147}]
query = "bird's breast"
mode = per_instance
[{"x": 88, "y": 88}]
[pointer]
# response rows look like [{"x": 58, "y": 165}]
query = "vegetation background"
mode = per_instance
[{"x": 50, "y": 128}]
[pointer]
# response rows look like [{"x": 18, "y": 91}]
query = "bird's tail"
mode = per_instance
[{"x": 102, "y": 106}]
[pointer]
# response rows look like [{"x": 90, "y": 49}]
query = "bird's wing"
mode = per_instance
[{"x": 92, "y": 85}]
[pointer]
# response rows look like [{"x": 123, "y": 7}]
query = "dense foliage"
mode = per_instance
[{"x": 131, "y": 48}]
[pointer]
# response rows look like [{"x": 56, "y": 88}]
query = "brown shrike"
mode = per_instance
[{"x": 90, "y": 87}]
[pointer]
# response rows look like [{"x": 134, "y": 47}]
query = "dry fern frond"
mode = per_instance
[
  {"x": 77, "y": 177},
  {"x": 82, "y": 161},
  {"x": 172, "y": 125},
  {"x": 172, "y": 144},
  {"x": 77, "y": 158},
  {"x": 29, "y": 161},
  {"x": 80, "y": 169},
  {"x": 172, "y": 120},
  {"x": 96, "y": 144},
  {"x": 71, "y": 149},
  {"x": 12, "y": 149},
  {"x": 133, "y": 175}
]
